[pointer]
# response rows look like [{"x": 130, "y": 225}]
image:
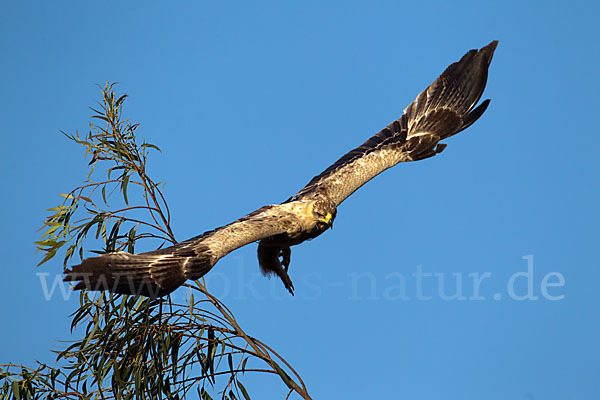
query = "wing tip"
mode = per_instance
[
  {"x": 114, "y": 273},
  {"x": 488, "y": 51}
]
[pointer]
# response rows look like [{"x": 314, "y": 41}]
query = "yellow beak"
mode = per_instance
[{"x": 326, "y": 219}]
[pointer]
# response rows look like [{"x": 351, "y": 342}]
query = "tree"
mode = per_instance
[{"x": 132, "y": 346}]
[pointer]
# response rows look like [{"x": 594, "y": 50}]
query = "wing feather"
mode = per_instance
[{"x": 443, "y": 109}]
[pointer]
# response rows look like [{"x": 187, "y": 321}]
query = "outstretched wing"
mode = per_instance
[
  {"x": 445, "y": 108},
  {"x": 159, "y": 272}
]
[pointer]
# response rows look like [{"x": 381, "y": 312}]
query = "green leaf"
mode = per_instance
[
  {"x": 47, "y": 257},
  {"x": 120, "y": 100},
  {"x": 212, "y": 349},
  {"x": 104, "y": 195},
  {"x": 243, "y": 390},
  {"x": 131, "y": 240},
  {"x": 145, "y": 145},
  {"x": 15, "y": 390},
  {"x": 124, "y": 183},
  {"x": 103, "y": 118},
  {"x": 284, "y": 376},
  {"x": 204, "y": 395}
]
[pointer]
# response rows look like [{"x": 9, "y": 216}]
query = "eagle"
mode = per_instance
[{"x": 446, "y": 107}]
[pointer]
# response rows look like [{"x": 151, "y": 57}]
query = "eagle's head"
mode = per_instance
[{"x": 324, "y": 211}]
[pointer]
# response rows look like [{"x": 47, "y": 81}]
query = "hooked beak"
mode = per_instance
[{"x": 327, "y": 220}]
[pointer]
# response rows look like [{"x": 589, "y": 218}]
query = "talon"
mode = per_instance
[
  {"x": 274, "y": 260},
  {"x": 288, "y": 284}
]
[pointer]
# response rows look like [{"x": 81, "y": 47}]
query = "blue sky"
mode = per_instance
[{"x": 248, "y": 102}]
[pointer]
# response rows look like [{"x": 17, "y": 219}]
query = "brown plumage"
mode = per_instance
[{"x": 444, "y": 109}]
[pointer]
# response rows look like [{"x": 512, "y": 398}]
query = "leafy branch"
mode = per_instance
[{"x": 132, "y": 346}]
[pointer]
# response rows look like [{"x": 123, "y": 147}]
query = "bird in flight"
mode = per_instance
[{"x": 447, "y": 107}]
